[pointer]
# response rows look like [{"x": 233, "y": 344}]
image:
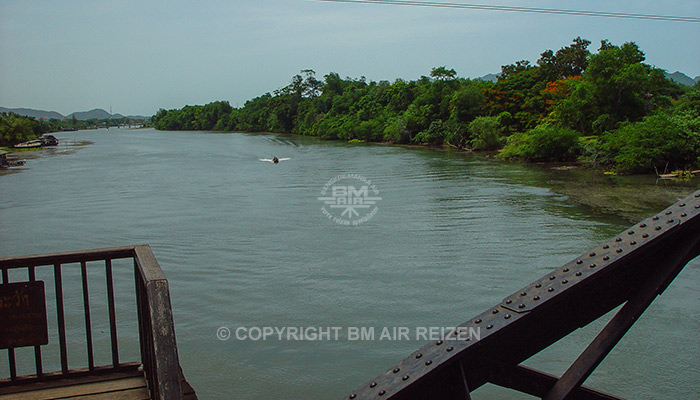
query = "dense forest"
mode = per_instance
[{"x": 606, "y": 108}]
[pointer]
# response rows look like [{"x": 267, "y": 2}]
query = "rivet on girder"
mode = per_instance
[
  {"x": 397, "y": 369},
  {"x": 373, "y": 384},
  {"x": 494, "y": 312},
  {"x": 578, "y": 273},
  {"x": 607, "y": 246},
  {"x": 404, "y": 378},
  {"x": 618, "y": 240},
  {"x": 594, "y": 265},
  {"x": 352, "y": 396},
  {"x": 523, "y": 293},
  {"x": 670, "y": 221},
  {"x": 658, "y": 228},
  {"x": 507, "y": 316},
  {"x": 606, "y": 258},
  {"x": 618, "y": 251},
  {"x": 521, "y": 305},
  {"x": 552, "y": 277},
  {"x": 382, "y": 392},
  {"x": 646, "y": 235},
  {"x": 684, "y": 215},
  {"x": 509, "y": 301},
  {"x": 669, "y": 212},
  {"x": 633, "y": 243},
  {"x": 489, "y": 326},
  {"x": 550, "y": 289},
  {"x": 579, "y": 262},
  {"x": 697, "y": 195},
  {"x": 592, "y": 254},
  {"x": 536, "y": 298},
  {"x": 697, "y": 206},
  {"x": 565, "y": 270},
  {"x": 643, "y": 225},
  {"x": 681, "y": 205},
  {"x": 428, "y": 363},
  {"x": 538, "y": 285},
  {"x": 449, "y": 349},
  {"x": 656, "y": 218},
  {"x": 419, "y": 355},
  {"x": 565, "y": 281},
  {"x": 477, "y": 321},
  {"x": 438, "y": 343},
  {"x": 630, "y": 232}
]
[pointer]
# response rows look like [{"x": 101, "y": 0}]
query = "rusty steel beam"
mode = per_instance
[{"x": 632, "y": 268}]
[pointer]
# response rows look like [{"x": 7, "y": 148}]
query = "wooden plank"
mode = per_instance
[
  {"x": 97, "y": 376},
  {"x": 84, "y": 375},
  {"x": 82, "y": 390},
  {"x": 132, "y": 394}
]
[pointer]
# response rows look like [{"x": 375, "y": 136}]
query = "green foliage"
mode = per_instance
[
  {"x": 538, "y": 111},
  {"x": 443, "y": 73},
  {"x": 658, "y": 142},
  {"x": 16, "y": 129},
  {"x": 543, "y": 143},
  {"x": 486, "y": 133},
  {"x": 435, "y": 135}
]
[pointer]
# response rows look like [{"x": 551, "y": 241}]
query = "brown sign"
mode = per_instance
[{"x": 23, "y": 315}]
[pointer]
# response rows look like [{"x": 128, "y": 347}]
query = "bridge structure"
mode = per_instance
[
  {"x": 629, "y": 270},
  {"x": 104, "y": 305}
]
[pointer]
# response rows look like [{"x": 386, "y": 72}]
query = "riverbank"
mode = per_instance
[{"x": 630, "y": 197}]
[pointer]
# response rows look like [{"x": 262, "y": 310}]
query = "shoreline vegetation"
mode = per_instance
[
  {"x": 16, "y": 128},
  {"x": 608, "y": 110}
]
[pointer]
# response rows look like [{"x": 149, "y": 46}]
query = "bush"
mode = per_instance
[
  {"x": 657, "y": 142},
  {"x": 543, "y": 143},
  {"x": 435, "y": 135},
  {"x": 486, "y": 133}
]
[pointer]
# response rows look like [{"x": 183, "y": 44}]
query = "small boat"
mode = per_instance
[
  {"x": 28, "y": 145},
  {"x": 5, "y": 163},
  {"x": 49, "y": 140},
  {"x": 274, "y": 160}
]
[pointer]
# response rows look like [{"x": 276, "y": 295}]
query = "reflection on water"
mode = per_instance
[{"x": 244, "y": 243}]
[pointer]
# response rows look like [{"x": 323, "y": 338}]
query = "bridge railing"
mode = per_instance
[
  {"x": 630, "y": 269},
  {"x": 23, "y": 280}
]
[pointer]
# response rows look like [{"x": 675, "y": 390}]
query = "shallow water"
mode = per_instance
[{"x": 244, "y": 243}]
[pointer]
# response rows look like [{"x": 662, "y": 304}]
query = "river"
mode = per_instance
[{"x": 244, "y": 243}]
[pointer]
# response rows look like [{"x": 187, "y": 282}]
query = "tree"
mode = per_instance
[
  {"x": 616, "y": 87},
  {"x": 566, "y": 62},
  {"x": 16, "y": 129},
  {"x": 443, "y": 74}
]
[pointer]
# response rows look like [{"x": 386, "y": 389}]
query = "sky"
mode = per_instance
[{"x": 138, "y": 56}]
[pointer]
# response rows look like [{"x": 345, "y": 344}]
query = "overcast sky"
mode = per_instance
[{"x": 139, "y": 56}]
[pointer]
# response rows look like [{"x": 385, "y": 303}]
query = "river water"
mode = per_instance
[{"x": 245, "y": 243}]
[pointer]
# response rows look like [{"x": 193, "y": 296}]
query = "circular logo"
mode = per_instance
[{"x": 349, "y": 199}]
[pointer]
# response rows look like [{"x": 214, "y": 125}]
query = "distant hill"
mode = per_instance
[
  {"x": 96, "y": 113},
  {"x": 490, "y": 77},
  {"x": 681, "y": 78},
  {"x": 38, "y": 114}
]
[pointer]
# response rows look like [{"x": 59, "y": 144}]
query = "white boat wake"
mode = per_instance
[{"x": 272, "y": 160}]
